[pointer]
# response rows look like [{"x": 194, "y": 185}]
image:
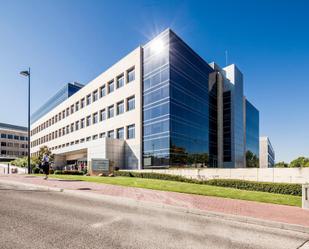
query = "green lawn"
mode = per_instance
[{"x": 190, "y": 188}]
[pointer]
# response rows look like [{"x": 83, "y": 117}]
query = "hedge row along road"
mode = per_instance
[{"x": 278, "y": 188}]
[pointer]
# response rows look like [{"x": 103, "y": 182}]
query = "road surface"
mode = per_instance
[{"x": 33, "y": 218}]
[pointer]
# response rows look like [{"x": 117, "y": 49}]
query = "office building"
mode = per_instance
[
  {"x": 267, "y": 153},
  {"x": 233, "y": 120},
  {"x": 251, "y": 135},
  {"x": 160, "y": 106},
  {"x": 13, "y": 142}
]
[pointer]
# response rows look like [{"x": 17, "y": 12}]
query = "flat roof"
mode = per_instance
[{"x": 12, "y": 127}]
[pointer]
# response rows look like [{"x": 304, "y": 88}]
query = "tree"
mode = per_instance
[
  {"x": 281, "y": 165},
  {"x": 23, "y": 162},
  {"x": 300, "y": 162},
  {"x": 45, "y": 150},
  {"x": 252, "y": 161}
]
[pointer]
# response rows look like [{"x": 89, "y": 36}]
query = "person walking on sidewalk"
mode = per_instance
[{"x": 45, "y": 162}]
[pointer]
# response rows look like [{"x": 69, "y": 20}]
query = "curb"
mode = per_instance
[{"x": 152, "y": 205}]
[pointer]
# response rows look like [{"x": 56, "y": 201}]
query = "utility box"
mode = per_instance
[{"x": 305, "y": 196}]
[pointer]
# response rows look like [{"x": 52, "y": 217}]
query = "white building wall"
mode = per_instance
[
  {"x": 263, "y": 153},
  {"x": 264, "y": 160},
  {"x": 123, "y": 120}
]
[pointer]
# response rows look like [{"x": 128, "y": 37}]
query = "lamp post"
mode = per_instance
[{"x": 27, "y": 74}]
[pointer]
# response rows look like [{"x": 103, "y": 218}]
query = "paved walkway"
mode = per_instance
[{"x": 270, "y": 212}]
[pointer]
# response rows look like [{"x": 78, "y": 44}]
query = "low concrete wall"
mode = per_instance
[
  {"x": 4, "y": 169},
  {"x": 288, "y": 175}
]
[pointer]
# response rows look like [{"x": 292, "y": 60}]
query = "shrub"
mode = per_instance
[
  {"x": 278, "y": 188},
  {"x": 35, "y": 170},
  {"x": 155, "y": 176},
  {"x": 85, "y": 171},
  {"x": 68, "y": 172},
  {"x": 23, "y": 162}
]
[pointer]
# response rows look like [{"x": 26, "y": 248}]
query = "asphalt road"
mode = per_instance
[{"x": 32, "y": 218}]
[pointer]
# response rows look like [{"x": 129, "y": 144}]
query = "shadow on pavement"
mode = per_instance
[
  {"x": 65, "y": 180},
  {"x": 23, "y": 190}
]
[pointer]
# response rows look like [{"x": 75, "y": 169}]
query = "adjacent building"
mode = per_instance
[
  {"x": 233, "y": 121},
  {"x": 267, "y": 153},
  {"x": 160, "y": 106},
  {"x": 251, "y": 124},
  {"x": 13, "y": 142}
]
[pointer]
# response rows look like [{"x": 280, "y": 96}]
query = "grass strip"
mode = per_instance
[{"x": 190, "y": 188}]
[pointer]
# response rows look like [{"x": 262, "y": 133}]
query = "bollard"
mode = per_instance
[
  {"x": 8, "y": 168},
  {"x": 305, "y": 196}
]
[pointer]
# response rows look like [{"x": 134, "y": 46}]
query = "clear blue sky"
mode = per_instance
[{"x": 66, "y": 41}]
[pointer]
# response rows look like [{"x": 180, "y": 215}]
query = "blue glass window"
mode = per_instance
[
  {"x": 131, "y": 103},
  {"x": 120, "y": 133},
  {"x": 120, "y": 81},
  {"x": 110, "y": 134},
  {"x": 102, "y": 91},
  {"x": 111, "y": 111},
  {"x": 111, "y": 86},
  {"x": 131, "y": 75},
  {"x": 131, "y": 131},
  {"x": 120, "y": 107}
]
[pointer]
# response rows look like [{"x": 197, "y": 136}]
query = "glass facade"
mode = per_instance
[
  {"x": 238, "y": 113},
  {"x": 63, "y": 94},
  {"x": 252, "y": 135},
  {"x": 175, "y": 104},
  {"x": 227, "y": 128},
  {"x": 271, "y": 156},
  {"x": 213, "y": 125},
  {"x": 156, "y": 106}
]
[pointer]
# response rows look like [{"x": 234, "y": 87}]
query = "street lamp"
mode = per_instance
[{"x": 27, "y": 74}]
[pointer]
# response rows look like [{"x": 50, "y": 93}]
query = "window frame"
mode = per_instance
[
  {"x": 101, "y": 88},
  {"x": 128, "y": 100},
  {"x": 117, "y": 109},
  {"x": 108, "y": 111},
  {"x": 95, "y": 96},
  {"x": 128, "y": 131},
  {"x": 132, "y": 69},
  {"x": 108, "y": 86},
  {"x": 121, "y": 76}
]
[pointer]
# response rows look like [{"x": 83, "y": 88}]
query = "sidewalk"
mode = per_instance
[{"x": 269, "y": 212}]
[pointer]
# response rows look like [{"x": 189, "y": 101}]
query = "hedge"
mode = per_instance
[
  {"x": 278, "y": 188},
  {"x": 270, "y": 187},
  {"x": 68, "y": 172},
  {"x": 155, "y": 176}
]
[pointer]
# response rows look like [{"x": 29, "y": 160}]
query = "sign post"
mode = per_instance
[{"x": 305, "y": 196}]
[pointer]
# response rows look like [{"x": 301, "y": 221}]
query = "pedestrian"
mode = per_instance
[{"x": 45, "y": 162}]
